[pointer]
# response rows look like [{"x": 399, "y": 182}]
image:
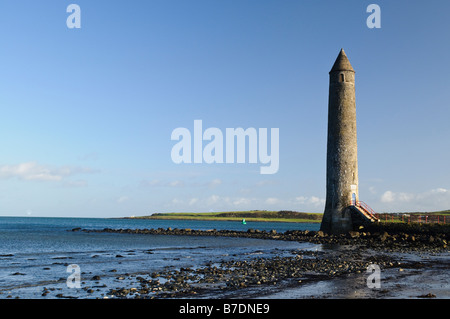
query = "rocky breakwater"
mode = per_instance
[{"x": 379, "y": 237}]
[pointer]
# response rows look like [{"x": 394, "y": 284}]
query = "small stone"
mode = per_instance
[
  {"x": 384, "y": 236},
  {"x": 320, "y": 234},
  {"x": 354, "y": 234},
  {"x": 428, "y": 295}
]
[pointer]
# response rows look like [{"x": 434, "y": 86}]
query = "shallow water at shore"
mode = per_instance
[{"x": 35, "y": 252}]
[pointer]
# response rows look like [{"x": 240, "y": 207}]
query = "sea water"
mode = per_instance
[{"x": 35, "y": 252}]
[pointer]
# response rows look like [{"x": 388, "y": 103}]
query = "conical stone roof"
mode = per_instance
[{"x": 342, "y": 63}]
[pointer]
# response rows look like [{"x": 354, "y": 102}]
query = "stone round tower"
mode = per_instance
[{"x": 342, "y": 161}]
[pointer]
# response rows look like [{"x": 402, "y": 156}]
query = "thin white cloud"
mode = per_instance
[
  {"x": 77, "y": 183},
  {"x": 179, "y": 183},
  {"x": 272, "y": 201},
  {"x": 213, "y": 199},
  {"x": 159, "y": 183},
  {"x": 440, "y": 191},
  {"x": 122, "y": 199},
  {"x": 176, "y": 201},
  {"x": 265, "y": 183},
  {"x": 313, "y": 201},
  {"x": 193, "y": 201},
  {"x": 388, "y": 197},
  {"x": 434, "y": 199},
  {"x": 242, "y": 201},
  {"x": 176, "y": 184},
  {"x": 29, "y": 171},
  {"x": 215, "y": 182},
  {"x": 316, "y": 200},
  {"x": 32, "y": 171}
]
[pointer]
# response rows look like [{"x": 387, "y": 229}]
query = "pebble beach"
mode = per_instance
[{"x": 342, "y": 260}]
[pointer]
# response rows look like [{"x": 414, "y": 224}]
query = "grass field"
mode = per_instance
[
  {"x": 254, "y": 215},
  {"x": 294, "y": 217}
]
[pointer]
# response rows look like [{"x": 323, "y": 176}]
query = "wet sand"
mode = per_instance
[{"x": 427, "y": 278}]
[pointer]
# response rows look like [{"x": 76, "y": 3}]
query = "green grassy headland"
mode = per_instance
[
  {"x": 254, "y": 215},
  {"x": 277, "y": 216}
]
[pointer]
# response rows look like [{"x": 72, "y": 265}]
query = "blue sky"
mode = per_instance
[{"x": 87, "y": 114}]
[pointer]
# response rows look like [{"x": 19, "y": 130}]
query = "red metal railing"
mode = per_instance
[
  {"x": 367, "y": 210},
  {"x": 366, "y": 207},
  {"x": 413, "y": 218},
  {"x": 401, "y": 217}
]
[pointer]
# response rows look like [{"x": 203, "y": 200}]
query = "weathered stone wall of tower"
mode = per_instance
[{"x": 342, "y": 161}]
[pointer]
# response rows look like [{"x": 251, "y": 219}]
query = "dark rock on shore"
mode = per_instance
[
  {"x": 396, "y": 238},
  {"x": 232, "y": 276},
  {"x": 428, "y": 295}
]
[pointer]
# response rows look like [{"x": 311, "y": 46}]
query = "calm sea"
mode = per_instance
[{"x": 35, "y": 251}]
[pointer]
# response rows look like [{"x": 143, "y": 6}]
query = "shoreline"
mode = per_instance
[
  {"x": 394, "y": 238},
  {"x": 414, "y": 261},
  {"x": 412, "y": 266}
]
